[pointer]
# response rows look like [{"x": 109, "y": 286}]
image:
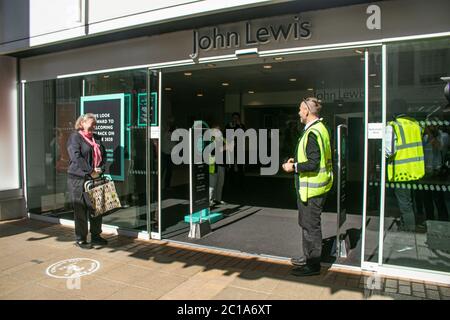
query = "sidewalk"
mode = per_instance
[{"x": 138, "y": 269}]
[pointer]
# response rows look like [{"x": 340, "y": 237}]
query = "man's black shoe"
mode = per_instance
[
  {"x": 99, "y": 240},
  {"x": 298, "y": 262},
  {"x": 83, "y": 244},
  {"x": 306, "y": 271}
]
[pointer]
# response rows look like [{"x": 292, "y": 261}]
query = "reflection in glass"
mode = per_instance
[{"x": 417, "y": 228}]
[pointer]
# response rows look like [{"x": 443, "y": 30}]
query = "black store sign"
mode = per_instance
[
  {"x": 109, "y": 111},
  {"x": 342, "y": 173},
  {"x": 199, "y": 170}
]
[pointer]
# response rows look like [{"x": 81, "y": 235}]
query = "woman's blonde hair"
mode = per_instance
[{"x": 83, "y": 118}]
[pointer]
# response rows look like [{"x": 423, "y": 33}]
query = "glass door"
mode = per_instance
[
  {"x": 373, "y": 142},
  {"x": 406, "y": 215},
  {"x": 151, "y": 117},
  {"x": 127, "y": 161},
  {"x": 416, "y": 222}
]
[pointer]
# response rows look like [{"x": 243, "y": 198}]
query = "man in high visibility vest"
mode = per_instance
[
  {"x": 217, "y": 170},
  {"x": 313, "y": 171},
  {"x": 406, "y": 163}
]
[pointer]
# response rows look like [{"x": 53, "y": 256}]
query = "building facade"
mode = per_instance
[{"x": 165, "y": 64}]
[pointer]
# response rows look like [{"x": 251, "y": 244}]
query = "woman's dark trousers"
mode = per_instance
[{"x": 81, "y": 214}]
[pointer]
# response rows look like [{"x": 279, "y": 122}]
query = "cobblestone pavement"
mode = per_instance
[{"x": 139, "y": 269}]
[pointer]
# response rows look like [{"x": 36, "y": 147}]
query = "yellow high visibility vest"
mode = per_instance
[
  {"x": 313, "y": 184},
  {"x": 212, "y": 165},
  {"x": 212, "y": 160},
  {"x": 407, "y": 163}
]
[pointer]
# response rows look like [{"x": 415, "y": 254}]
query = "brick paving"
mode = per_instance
[{"x": 140, "y": 269}]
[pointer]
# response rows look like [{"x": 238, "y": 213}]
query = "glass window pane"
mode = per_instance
[
  {"x": 372, "y": 222},
  {"x": 52, "y": 108},
  {"x": 132, "y": 185},
  {"x": 417, "y": 228}
]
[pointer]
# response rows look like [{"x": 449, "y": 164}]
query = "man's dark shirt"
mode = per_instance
[{"x": 312, "y": 154}]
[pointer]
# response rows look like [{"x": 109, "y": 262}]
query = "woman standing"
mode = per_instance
[{"x": 87, "y": 159}]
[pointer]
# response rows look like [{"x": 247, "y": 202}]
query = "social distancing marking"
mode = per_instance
[{"x": 73, "y": 268}]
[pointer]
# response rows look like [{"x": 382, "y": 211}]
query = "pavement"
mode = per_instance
[{"x": 40, "y": 261}]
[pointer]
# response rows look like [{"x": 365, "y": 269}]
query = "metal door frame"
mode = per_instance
[{"x": 365, "y": 265}]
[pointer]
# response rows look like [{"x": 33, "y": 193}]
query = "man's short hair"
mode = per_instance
[
  {"x": 236, "y": 114},
  {"x": 313, "y": 104}
]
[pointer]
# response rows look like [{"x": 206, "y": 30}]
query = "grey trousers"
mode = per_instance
[
  {"x": 405, "y": 204},
  {"x": 80, "y": 211},
  {"x": 309, "y": 214},
  {"x": 216, "y": 182}
]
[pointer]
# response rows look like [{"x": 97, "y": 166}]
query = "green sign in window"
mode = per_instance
[
  {"x": 143, "y": 109},
  {"x": 128, "y": 103}
]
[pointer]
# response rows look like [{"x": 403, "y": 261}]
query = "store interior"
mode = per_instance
[{"x": 260, "y": 215}]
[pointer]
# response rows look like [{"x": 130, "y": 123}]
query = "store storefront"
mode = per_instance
[{"x": 371, "y": 65}]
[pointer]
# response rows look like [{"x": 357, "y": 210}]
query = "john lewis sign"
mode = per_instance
[{"x": 249, "y": 35}]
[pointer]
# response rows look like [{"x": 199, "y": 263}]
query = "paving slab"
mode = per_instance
[{"x": 138, "y": 269}]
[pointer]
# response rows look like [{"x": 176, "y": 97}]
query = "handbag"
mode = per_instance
[{"x": 101, "y": 197}]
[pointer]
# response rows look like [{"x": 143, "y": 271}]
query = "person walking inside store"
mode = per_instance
[
  {"x": 217, "y": 169},
  {"x": 87, "y": 157},
  {"x": 236, "y": 170},
  {"x": 312, "y": 168}
]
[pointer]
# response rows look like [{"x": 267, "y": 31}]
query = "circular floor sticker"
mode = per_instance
[{"x": 71, "y": 268}]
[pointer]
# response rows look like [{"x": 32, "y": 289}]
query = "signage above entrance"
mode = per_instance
[{"x": 248, "y": 35}]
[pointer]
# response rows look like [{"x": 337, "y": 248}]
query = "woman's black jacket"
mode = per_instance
[{"x": 81, "y": 156}]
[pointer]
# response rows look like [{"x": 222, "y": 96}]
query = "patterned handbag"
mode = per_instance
[{"x": 101, "y": 197}]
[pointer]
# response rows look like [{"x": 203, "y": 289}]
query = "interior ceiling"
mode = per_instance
[{"x": 329, "y": 71}]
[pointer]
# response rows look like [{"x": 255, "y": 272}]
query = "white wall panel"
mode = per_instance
[
  {"x": 48, "y": 16},
  {"x": 102, "y": 10},
  {"x": 9, "y": 129}
]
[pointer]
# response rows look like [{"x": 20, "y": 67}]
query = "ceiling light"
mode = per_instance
[
  {"x": 211, "y": 65},
  {"x": 310, "y": 89},
  {"x": 372, "y": 75},
  {"x": 358, "y": 51},
  {"x": 251, "y": 92},
  {"x": 292, "y": 79},
  {"x": 225, "y": 84},
  {"x": 199, "y": 94},
  {"x": 278, "y": 58},
  {"x": 267, "y": 66},
  {"x": 106, "y": 77},
  {"x": 168, "y": 89},
  {"x": 377, "y": 86},
  {"x": 188, "y": 74}
]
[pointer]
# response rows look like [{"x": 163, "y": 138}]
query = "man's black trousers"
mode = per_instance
[{"x": 309, "y": 220}]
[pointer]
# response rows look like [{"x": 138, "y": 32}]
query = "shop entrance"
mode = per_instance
[{"x": 259, "y": 213}]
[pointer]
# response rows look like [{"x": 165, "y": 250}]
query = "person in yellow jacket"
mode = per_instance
[
  {"x": 217, "y": 171},
  {"x": 313, "y": 171},
  {"x": 405, "y": 163}
]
